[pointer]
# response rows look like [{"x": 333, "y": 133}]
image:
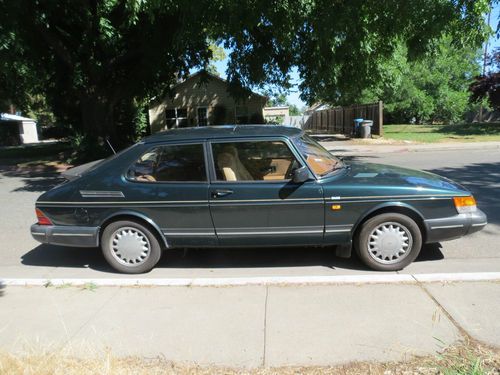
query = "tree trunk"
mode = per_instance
[{"x": 97, "y": 117}]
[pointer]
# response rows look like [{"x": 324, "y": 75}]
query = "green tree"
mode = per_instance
[
  {"x": 294, "y": 110},
  {"x": 218, "y": 54},
  {"x": 100, "y": 56},
  {"x": 95, "y": 57},
  {"x": 276, "y": 100},
  {"x": 19, "y": 81},
  {"x": 280, "y": 99},
  {"x": 432, "y": 88}
]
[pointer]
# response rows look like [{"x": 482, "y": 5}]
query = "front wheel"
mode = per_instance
[
  {"x": 130, "y": 247},
  {"x": 388, "y": 242}
]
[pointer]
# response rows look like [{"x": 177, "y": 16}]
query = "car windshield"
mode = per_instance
[{"x": 318, "y": 158}]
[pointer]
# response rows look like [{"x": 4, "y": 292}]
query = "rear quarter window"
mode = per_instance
[{"x": 170, "y": 163}]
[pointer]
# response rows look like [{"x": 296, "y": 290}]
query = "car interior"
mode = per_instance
[
  {"x": 253, "y": 161},
  {"x": 236, "y": 161},
  {"x": 170, "y": 163}
]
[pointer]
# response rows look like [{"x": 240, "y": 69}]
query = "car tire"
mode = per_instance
[
  {"x": 388, "y": 242},
  {"x": 130, "y": 247}
]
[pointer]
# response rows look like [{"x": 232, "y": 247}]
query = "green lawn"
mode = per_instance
[
  {"x": 50, "y": 151},
  {"x": 43, "y": 157},
  {"x": 443, "y": 133}
]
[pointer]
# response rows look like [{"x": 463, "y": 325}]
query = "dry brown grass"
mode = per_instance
[{"x": 466, "y": 358}]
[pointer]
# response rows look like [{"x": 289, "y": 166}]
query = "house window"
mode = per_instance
[
  {"x": 241, "y": 114},
  {"x": 202, "y": 116},
  {"x": 176, "y": 118}
]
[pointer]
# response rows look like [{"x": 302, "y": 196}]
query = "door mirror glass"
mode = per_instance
[{"x": 301, "y": 175}]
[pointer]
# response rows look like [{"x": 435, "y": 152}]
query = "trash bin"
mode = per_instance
[
  {"x": 357, "y": 123},
  {"x": 365, "y": 129}
]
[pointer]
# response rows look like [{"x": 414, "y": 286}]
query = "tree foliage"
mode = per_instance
[
  {"x": 294, "y": 110},
  {"x": 432, "y": 88},
  {"x": 218, "y": 54},
  {"x": 280, "y": 99},
  {"x": 94, "y": 58},
  {"x": 101, "y": 56},
  {"x": 275, "y": 100}
]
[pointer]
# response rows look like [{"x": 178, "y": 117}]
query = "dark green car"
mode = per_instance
[{"x": 254, "y": 186}]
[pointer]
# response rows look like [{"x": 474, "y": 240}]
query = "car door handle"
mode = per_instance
[{"x": 221, "y": 193}]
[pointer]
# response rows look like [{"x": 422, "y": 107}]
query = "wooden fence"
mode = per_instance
[{"x": 340, "y": 120}]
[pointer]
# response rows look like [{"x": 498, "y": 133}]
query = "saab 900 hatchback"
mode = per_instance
[{"x": 253, "y": 186}]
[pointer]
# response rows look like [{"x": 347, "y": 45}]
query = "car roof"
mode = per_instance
[{"x": 224, "y": 131}]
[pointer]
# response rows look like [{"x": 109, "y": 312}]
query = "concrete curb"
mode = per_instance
[{"x": 265, "y": 281}]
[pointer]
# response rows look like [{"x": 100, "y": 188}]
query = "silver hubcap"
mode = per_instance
[
  {"x": 389, "y": 243},
  {"x": 130, "y": 246}
]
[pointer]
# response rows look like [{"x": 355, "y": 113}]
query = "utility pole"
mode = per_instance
[{"x": 485, "y": 56}]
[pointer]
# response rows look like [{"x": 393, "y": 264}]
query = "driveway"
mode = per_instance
[{"x": 479, "y": 170}]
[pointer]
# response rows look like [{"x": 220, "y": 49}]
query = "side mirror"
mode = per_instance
[{"x": 301, "y": 175}]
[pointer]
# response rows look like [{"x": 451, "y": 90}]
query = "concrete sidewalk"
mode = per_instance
[
  {"x": 252, "y": 326},
  {"x": 370, "y": 146}
]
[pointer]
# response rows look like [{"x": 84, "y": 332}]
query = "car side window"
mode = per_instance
[
  {"x": 253, "y": 161},
  {"x": 170, "y": 163}
]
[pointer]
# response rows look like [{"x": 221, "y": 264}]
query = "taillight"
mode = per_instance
[
  {"x": 465, "y": 204},
  {"x": 42, "y": 219}
]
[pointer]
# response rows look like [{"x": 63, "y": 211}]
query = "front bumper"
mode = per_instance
[
  {"x": 453, "y": 227},
  {"x": 66, "y": 235}
]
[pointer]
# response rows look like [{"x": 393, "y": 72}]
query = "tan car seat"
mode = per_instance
[
  {"x": 279, "y": 168},
  {"x": 231, "y": 166}
]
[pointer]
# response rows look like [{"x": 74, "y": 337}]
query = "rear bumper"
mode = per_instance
[
  {"x": 453, "y": 227},
  {"x": 66, "y": 235}
]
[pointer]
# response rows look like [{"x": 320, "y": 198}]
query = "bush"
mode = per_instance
[{"x": 54, "y": 132}]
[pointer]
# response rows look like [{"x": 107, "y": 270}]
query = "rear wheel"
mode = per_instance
[
  {"x": 388, "y": 242},
  {"x": 130, "y": 247}
]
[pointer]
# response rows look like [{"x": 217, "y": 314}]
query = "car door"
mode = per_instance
[
  {"x": 253, "y": 200},
  {"x": 174, "y": 179}
]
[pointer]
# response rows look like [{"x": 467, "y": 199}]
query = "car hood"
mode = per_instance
[{"x": 381, "y": 174}]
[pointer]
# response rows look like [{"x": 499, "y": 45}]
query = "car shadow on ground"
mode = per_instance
[{"x": 216, "y": 258}]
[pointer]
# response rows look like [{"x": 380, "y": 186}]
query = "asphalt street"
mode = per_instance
[{"x": 478, "y": 170}]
